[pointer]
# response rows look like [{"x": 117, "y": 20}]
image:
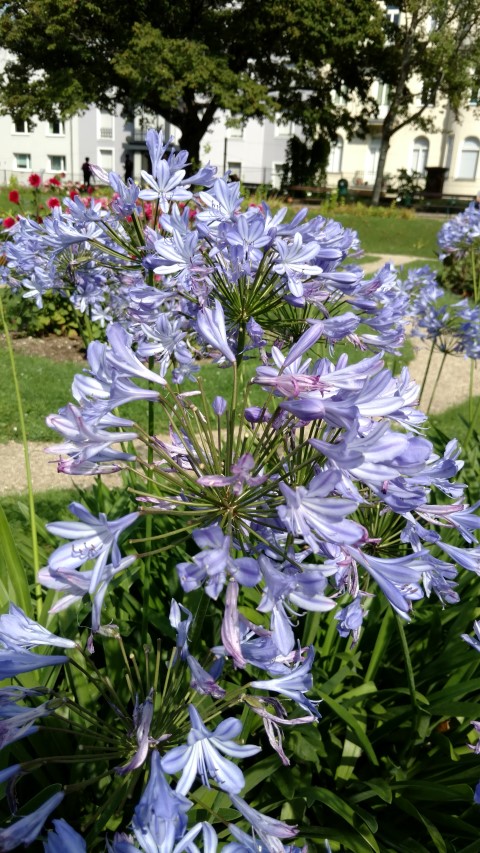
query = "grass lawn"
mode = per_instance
[
  {"x": 396, "y": 236},
  {"x": 454, "y": 422},
  {"x": 45, "y": 387}
]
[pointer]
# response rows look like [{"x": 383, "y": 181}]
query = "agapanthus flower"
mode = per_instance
[
  {"x": 64, "y": 839},
  {"x": 159, "y": 819},
  {"x": 93, "y": 538},
  {"x": 26, "y": 829},
  {"x": 294, "y": 684},
  {"x": 18, "y": 632},
  {"x": 473, "y": 641},
  {"x": 268, "y": 829},
  {"x": 202, "y": 755},
  {"x": 214, "y": 563}
]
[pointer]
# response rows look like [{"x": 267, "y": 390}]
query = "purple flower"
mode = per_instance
[
  {"x": 13, "y": 663},
  {"x": 159, "y": 819},
  {"x": 239, "y": 477},
  {"x": 211, "y": 326},
  {"x": 202, "y": 755},
  {"x": 64, "y": 839},
  {"x": 203, "y": 682},
  {"x": 19, "y": 632},
  {"x": 219, "y": 406},
  {"x": 473, "y": 641},
  {"x": 18, "y": 721},
  {"x": 93, "y": 539},
  {"x": 267, "y": 828},
  {"x": 294, "y": 684},
  {"x": 26, "y": 829},
  {"x": 310, "y": 513},
  {"x": 74, "y": 585},
  {"x": 214, "y": 563},
  {"x": 350, "y": 619},
  {"x": 142, "y": 720}
]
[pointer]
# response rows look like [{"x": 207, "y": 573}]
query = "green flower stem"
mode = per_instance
[
  {"x": 473, "y": 420},
  {"x": 474, "y": 278},
  {"x": 437, "y": 380},
  {"x": 28, "y": 470},
  {"x": 147, "y": 560},
  {"x": 427, "y": 369},
  {"x": 408, "y": 664}
]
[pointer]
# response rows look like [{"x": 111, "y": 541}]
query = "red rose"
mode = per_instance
[
  {"x": 14, "y": 196},
  {"x": 8, "y": 222},
  {"x": 53, "y": 202},
  {"x": 90, "y": 190},
  {"x": 54, "y": 182},
  {"x": 35, "y": 180},
  {"x": 73, "y": 194}
]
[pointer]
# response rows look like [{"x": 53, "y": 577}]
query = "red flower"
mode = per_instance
[
  {"x": 54, "y": 182},
  {"x": 14, "y": 196},
  {"x": 90, "y": 190},
  {"x": 35, "y": 180},
  {"x": 53, "y": 202},
  {"x": 73, "y": 193},
  {"x": 8, "y": 222}
]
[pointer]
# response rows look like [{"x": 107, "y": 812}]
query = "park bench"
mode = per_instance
[
  {"x": 302, "y": 192},
  {"x": 448, "y": 204}
]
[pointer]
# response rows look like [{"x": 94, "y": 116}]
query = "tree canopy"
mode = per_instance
[
  {"x": 185, "y": 60},
  {"x": 431, "y": 53}
]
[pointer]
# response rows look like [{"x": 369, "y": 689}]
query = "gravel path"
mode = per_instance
[{"x": 452, "y": 390}]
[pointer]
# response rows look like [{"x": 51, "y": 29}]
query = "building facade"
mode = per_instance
[{"x": 255, "y": 152}]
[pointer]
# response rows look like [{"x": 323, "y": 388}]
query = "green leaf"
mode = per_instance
[
  {"x": 432, "y": 830},
  {"x": 352, "y": 723},
  {"x": 12, "y": 567}
]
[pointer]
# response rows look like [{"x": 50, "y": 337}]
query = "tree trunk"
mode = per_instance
[
  {"x": 194, "y": 127},
  {"x": 382, "y": 159}
]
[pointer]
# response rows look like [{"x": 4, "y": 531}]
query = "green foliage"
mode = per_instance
[
  {"x": 184, "y": 61},
  {"x": 56, "y": 317},
  {"x": 459, "y": 272},
  {"x": 409, "y": 186},
  {"x": 305, "y": 163}
]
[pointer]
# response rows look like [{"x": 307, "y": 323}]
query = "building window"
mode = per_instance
[
  {"x": 449, "y": 153},
  {"x": 56, "y": 127},
  {"x": 235, "y": 168},
  {"x": 382, "y": 94},
  {"x": 105, "y": 158},
  {"x": 20, "y": 126},
  {"x": 393, "y": 14},
  {"x": 282, "y": 127},
  {"x": 474, "y": 96},
  {"x": 57, "y": 163},
  {"x": 277, "y": 175},
  {"x": 235, "y": 132},
  {"x": 467, "y": 167},
  {"x": 420, "y": 154},
  {"x": 340, "y": 96},
  {"x": 23, "y": 161},
  {"x": 105, "y": 124},
  {"x": 335, "y": 157}
]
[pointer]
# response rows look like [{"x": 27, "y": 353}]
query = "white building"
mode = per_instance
[{"x": 255, "y": 153}]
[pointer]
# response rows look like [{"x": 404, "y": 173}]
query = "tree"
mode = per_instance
[
  {"x": 431, "y": 52},
  {"x": 185, "y": 60}
]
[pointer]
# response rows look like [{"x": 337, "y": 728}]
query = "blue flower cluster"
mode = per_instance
[{"x": 285, "y": 502}]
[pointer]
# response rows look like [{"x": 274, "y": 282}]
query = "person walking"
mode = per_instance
[
  {"x": 87, "y": 172},
  {"x": 128, "y": 167}
]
